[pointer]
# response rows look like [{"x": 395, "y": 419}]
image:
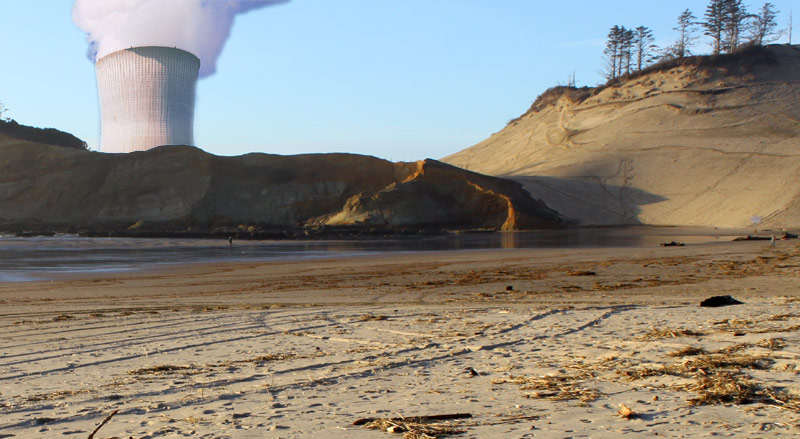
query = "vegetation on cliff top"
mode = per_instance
[
  {"x": 727, "y": 24},
  {"x": 48, "y": 136},
  {"x": 735, "y": 35},
  {"x": 738, "y": 63}
]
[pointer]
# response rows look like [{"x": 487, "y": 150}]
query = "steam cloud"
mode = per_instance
[{"x": 197, "y": 26}]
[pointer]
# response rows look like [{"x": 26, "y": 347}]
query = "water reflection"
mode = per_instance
[{"x": 24, "y": 259}]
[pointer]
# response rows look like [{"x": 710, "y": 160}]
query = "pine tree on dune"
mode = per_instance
[
  {"x": 763, "y": 26},
  {"x": 643, "y": 46},
  {"x": 714, "y": 23},
  {"x": 735, "y": 16},
  {"x": 686, "y": 28}
]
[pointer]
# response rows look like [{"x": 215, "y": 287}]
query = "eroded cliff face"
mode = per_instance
[
  {"x": 707, "y": 145},
  {"x": 439, "y": 194},
  {"x": 179, "y": 188}
]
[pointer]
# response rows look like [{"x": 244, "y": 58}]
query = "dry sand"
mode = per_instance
[{"x": 304, "y": 349}]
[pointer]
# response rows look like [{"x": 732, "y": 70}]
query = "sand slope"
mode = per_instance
[{"x": 708, "y": 145}]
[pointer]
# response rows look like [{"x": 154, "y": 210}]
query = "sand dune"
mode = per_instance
[{"x": 710, "y": 145}]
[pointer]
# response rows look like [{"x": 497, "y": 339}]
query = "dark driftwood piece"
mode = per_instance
[{"x": 418, "y": 419}]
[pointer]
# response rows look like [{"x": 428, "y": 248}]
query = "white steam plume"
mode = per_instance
[{"x": 197, "y": 26}]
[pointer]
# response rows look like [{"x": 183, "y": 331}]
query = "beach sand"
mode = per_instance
[{"x": 529, "y": 343}]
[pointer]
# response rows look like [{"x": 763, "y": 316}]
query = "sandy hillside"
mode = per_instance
[{"x": 711, "y": 144}]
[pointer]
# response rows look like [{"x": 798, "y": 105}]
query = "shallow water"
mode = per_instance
[{"x": 44, "y": 258}]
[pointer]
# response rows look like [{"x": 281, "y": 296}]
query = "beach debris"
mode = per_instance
[
  {"x": 626, "y": 412},
  {"x": 613, "y": 286},
  {"x": 159, "y": 370},
  {"x": 417, "y": 427},
  {"x": 194, "y": 369},
  {"x": 672, "y": 244},
  {"x": 372, "y": 317},
  {"x": 62, "y": 317},
  {"x": 396, "y": 429},
  {"x": 724, "y": 387},
  {"x": 267, "y": 358},
  {"x": 732, "y": 349},
  {"x": 658, "y": 333},
  {"x": 688, "y": 351},
  {"x": 721, "y": 378},
  {"x": 105, "y": 421},
  {"x": 581, "y": 273},
  {"x": 703, "y": 365},
  {"x": 717, "y": 301},
  {"x": 54, "y": 396},
  {"x": 735, "y": 325},
  {"x": 510, "y": 288},
  {"x": 783, "y": 317},
  {"x": 564, "y": 386},
  {"x": 752, "y": 238},
  {"x": 773, "y": 344}
]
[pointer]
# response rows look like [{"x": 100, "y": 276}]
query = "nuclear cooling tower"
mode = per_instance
[{"x": 147, "y": 97}]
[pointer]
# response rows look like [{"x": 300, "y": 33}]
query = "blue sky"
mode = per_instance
[{"x": 401, "y": 80}]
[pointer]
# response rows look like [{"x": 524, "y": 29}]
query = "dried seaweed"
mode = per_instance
[
  {"x": 732, "y": 349},
  {"x": 720, "y": 378},
  {"x": 560, "y": 387},
  {"x": 773, "y": 344},
  {"x": 61, "y": 394},
  {"x": 268, "y": 358},
  {"x": 688, "y": 351},
  {"x": 723, "y": 387},
  {"x": 659, "y": 333},
  {"x": 783, "y": 317},
  {"x": 422, "y": 427}
]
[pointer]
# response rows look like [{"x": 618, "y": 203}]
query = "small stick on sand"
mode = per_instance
[{"x": 108, "y": 418}]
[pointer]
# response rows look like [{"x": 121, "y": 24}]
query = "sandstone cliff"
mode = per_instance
[
  {"x": 175, "y": 188},
  {"x": 707, "y": 142}
]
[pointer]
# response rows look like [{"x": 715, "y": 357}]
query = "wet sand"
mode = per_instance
[{"x": 530, "y": 343}]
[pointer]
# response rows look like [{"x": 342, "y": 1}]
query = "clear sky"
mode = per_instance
[{"x": 402, "y": 80}]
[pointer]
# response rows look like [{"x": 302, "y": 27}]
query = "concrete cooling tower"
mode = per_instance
[{"x": 147, "y": 97}]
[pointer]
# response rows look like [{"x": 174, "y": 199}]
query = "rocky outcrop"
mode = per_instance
[
  {"x": 710, "y": 141},
  {"x": 179, "y": 188},
  {"x": 440, "y": 194}
]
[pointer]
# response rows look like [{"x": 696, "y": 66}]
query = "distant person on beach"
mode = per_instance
[
  {"x": 230, "y": 241},
  {"x": 772, "y": 242}
]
